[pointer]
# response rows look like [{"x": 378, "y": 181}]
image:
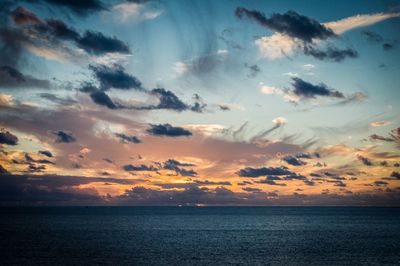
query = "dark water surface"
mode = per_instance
[{"x": 199, "y": 236}]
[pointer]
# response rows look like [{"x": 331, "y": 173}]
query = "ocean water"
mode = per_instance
[{"x": 199, "y": 236}]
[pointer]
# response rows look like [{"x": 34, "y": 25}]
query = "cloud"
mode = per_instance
[
  {"x": 6, "y": 100},
  {"x": 135, "y": 11},
  {"x": 307, "y": 90},
  {"x": 201, "y": 65},
  {"x": 263, "y": 171},
  {"x": 81, "y": 8},
  {"x": 303, "y": 90},
  {"x": 279, "y": 121},
  {"x": 96, "y": 43},
  {"x": 53, "y": 39},
  {"x": 253, "y": 70},
  {"x": 6, "y": 137},
  {"x": 364, "y": 160},
  {"x": 379, "y": 123},
  {"x": 270, "y": 182},
  {"x": 64, "y": 137},
  {"x": 251, "y": 189},
  {"x": 168, "y": 130},
  {"x": 46, "y": 153},
  {"x": 23, "y": 16},
  {"x": 13, "y": 78},
  {"x": 142, "y": 167},
  {"x": 53, "y": 189},
  {"x": 167, "y": 100},
  {"x": 177, "y": 167},
  {"x": 290, "y": 38},
  {"x": 128, "y": 138},
  {"x": 65, "y": 101},
  {"x": 382, "y": 138},
  {"x": 293, "y": 160},
  {"x": 101, "y": 98},
  {"x": 115, "y": 77},
  {"x": 330, "y": 53},
  {"x": 291, "y": 24},
  {"x": 377, "y": 38},
  {"x": 358, "y": 21}
]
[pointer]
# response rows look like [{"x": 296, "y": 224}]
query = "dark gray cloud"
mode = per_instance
[
  {"x": 115, "y": 77},
  {"x": 290, "y": 23},
  {"x": 23, "y": 16},
  {"x": 168, "y": 130},
  {"x": 169, "y": 101},
  {"x": 364, "y": 160},
  {"x": 377, "y": 38},
  {"x": 142, "y": 167},
  {"x": 128, "y": 138},
  {"x": 263, "y": 171},
  {"x": 29, "y": 159},
  {"x": 3, "y": 170},
  {"x": 82, "y": 8},
  {"x": 52, "y": 189},
  {"x": 46, "y": 153},
  {"x": 330, "y": 53},
  {"x": 176, "y": 166},
  {"x": 64, "y": 137},
  {"x": 252, "y": 189},
  {"x": 97, "y": 43},
  {"x": 382, "y": 138},
  {"x": 52, "y": 34},
  {"x": 253, "y": 70},
  {"x": 13, "y": 78},
  {"x": 207, "y": 183},
  {"x": 270, "y": 182},
  {"x": 101, "y": 98},
  {"x": 293, "y": 160},
  {"x": 307, "y": 90},
  {"x": 57, "y": 99},
  {"x": 6, "y": 137}
]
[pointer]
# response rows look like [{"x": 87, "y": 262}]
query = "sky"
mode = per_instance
[{"x": 275, "y": 103}]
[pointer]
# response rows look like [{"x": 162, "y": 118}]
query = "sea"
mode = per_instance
[{"x": 199, "y": 236}]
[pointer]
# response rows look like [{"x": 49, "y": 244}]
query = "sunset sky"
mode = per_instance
[{"x": 199, "y": 102}]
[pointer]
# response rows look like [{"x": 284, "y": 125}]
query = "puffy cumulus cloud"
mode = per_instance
[
  {"x": 135, "y": 11},
  {"x": 6, "y": 100},
  {"x": 13, "y": 78},
  {"x": 308, "y": 90},
  {"x": 64, "y": 136},
  {"x": 295, "y": 33},
  {"x": 279, "y": 121},
  {"x": 6, "y": 137},
  {"x": 115, "y": 77},
  {"x": 168, "y": 130},
  {"x": 101, "y": 98},
  {"x": 293, "y": 160}
]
